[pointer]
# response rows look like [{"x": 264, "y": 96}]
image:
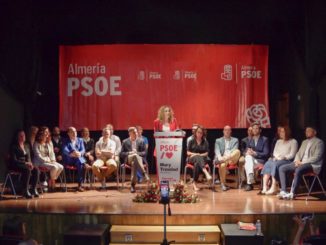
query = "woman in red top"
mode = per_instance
[{"x": 165, "y": 120}]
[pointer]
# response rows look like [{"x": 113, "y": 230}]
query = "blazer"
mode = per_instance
[
  {"x": 89, "y": 146},
  {"x": 262, "y": 148},
  {"x": 220, "y": 146},
  {"x": 57, "y": 145},
  {"x": 158, "y": 126},
  {"x": 127, "y": 147},
  {"x": 69, "y": 147},
  {"x": 40, "y": 154},
  {"x": 17, "y": 155},
  {"x": 315, "y": 153},
  {"x": 244, "y": 145}
]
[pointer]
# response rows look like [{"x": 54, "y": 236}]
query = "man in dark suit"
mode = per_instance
[
  {"x": 73, "y": 154},
  {"x": 89, "y": 145},
  {"x": 243, "y": 148},
  {"x": 57, "y": 144},
  {"x": 257, "y": 153},
  {"x": 133, "y": 151}
]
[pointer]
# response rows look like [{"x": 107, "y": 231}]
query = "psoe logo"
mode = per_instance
[
  {"x": 154, "y": 75},
  {"x": 227, "y": 73},
  {"x": 190, "y": 75},
  {"x": 141, "y": 75},
  {"x": 177, "y": 75}
]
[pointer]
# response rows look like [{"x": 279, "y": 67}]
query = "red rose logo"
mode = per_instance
[{"x": 257, "y": 113}]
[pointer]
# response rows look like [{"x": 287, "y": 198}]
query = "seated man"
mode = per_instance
[
  {"x": 140, "y": 135},
  {"x": 73, "y": 154},
  {"x": 243, "y": 148},
  {"x": 89, "y": 146},
  {"x": 132, "y": 152},
  {"x": 57, "y": 144},
  {"x": 117, "y": 141},
  {"x": 257, "y": 153},
  {"x": 104, "y": 151},
  {"x": 226, "y": 152},
  {"x": 308, "y": 158}
]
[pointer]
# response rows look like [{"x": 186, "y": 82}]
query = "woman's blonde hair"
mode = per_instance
[{"x": 160, "y": 113}]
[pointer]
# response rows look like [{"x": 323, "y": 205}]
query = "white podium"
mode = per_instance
[{"x": 168, "y": 155}]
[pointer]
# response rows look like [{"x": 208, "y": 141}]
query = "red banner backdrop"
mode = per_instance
[{"x": 125, "y": 85}]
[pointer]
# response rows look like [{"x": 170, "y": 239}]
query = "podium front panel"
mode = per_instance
[{"x": 168, "y": 159}]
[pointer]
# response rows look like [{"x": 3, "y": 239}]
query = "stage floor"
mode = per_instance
[{"x": 116, "y": 202}]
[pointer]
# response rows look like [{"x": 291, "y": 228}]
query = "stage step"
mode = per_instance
[{"x": 132, "y": 234}]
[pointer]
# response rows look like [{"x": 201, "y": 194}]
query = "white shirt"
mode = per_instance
[
  {"x": 166, "y": 128},
  {"x": 108, "y": 145},
  {"x": 133, "y": 145},
  {"x": 256, "y": 139},
  {"x": 285, "y": 149},
  {"x": 227, "y": 151}
]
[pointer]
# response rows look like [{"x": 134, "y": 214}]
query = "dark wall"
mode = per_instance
[{"x": 31, "y": 32}]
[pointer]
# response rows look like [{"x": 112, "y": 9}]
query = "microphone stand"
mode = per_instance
[{"x": 165, "y": 241}]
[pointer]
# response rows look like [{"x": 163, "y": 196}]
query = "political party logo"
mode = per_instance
[
  {"x": 257, "y": 113},
  {"x": 177, "y": 75},
  {"x": 167, "y": 150},
  {"x": 227, "y": 73},
  {"x": 141, "y": 75},
  {"x": 168, "y": 155}
]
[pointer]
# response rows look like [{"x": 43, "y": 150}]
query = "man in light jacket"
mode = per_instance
[
  {"x": 226, "y": 152},
  {"x": 309, "y": 158}
]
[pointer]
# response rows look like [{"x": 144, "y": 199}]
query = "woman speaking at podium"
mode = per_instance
[{"x": 165, "y": 120}]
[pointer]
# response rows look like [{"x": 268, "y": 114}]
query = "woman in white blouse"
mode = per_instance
[
  {"x": 44, "y": 156},
  {"x": 284, "y": 152}
]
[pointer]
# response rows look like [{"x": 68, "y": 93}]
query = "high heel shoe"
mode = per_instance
[
  {"x": 195, "y": 187},
  {"x": 35, "y": 193},
  {"x": 28, "y": 195}
]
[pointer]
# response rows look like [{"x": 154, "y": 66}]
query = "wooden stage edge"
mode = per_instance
[{"x": 51, "y": 215}]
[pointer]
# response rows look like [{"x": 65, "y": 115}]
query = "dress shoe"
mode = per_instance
[
  {"x": 249, "y": 187},
  {"x": 80, "y": 189},
  {"x": 132, "y": 189},
  {"x": 28, "y": 195},
  {"x": 35, "y": 193}
]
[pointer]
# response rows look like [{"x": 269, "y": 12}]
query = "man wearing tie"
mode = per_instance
[{"x": 309, "y": 158}]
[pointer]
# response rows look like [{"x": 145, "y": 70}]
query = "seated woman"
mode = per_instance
[
  {"x": 284, "y": 152},
  {"x": 165, "y": 120},
  {"x": 197, "y": 152},
  {"x": 44, "y": 157},
  {"x": 20, "y": 161}
]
